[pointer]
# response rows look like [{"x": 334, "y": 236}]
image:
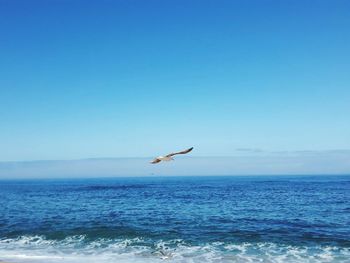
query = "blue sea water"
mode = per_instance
[{"x": 176, "y": 219}]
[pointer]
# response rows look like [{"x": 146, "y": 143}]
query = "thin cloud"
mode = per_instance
[
  {"x": 273, "y": 163},
  {"x": 253, "y": 150}
]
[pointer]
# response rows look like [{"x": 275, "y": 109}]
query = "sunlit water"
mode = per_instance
[{"x": 178, "y": 219}]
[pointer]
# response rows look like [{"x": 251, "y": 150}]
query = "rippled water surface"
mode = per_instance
[{"x": 178, "y": 219}]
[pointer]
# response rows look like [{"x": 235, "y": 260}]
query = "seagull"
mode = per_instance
[{"x": 169, "y": 157}]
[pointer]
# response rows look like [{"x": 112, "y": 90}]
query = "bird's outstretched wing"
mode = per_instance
[
  {"x": 156, "y": 160},
  {"x": 182, "y": 152}
]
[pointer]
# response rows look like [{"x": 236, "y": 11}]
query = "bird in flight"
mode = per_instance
[{"x": 169, "y": 157}]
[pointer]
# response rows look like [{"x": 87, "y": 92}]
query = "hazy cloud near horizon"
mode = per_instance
[{"x": 258, "y": 163}]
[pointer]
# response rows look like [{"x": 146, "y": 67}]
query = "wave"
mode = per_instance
[
  {"x": 81, "y": 249},
  {"x": 112, "y": 187}
]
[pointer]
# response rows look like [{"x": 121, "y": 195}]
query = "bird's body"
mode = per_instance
[
  {"x": 165, "y": 158},
  {"x": 169, "y": 157}
]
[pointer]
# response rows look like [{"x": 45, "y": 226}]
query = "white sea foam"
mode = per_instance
[{"x": 36, "y": 249}]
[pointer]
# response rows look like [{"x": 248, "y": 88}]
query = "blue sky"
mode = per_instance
[{"x": 93, "y": 79}]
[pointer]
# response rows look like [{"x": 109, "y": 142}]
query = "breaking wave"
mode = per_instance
[{"x": 81, "y": 249}]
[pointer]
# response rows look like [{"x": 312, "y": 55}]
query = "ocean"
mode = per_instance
[{"x": 176, "y": 219}]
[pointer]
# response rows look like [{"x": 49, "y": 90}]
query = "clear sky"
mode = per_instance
[{"x": 127, "y": 78}]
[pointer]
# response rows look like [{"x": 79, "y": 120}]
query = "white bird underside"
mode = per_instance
[
  {"x": 169, "y": 156},
  {"x": 164, "y": 158}
]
